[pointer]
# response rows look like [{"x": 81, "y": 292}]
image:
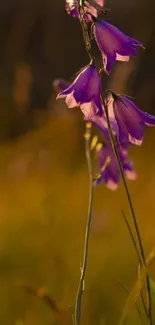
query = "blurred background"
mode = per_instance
[{"x": 43, "y": 173}]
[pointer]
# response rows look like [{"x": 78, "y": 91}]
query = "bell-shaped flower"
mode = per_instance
[
  {"x": 113, "y": 44},
  {"x": 130, "y": 119},
  {"x": 85, "y": 92},
  {"x": 109, "y": 171}
]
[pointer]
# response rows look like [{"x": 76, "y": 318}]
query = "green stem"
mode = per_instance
[
  {"x": 86, "y": 244},
  {"x": 113, "y": 143}
]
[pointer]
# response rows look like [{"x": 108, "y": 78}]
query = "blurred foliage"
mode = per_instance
[{"x": 43, "y": 209}]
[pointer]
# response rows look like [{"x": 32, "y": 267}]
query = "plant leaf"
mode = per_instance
[
  {"x": 152, "y": 289},
  {"x": 137, "y": 287}
]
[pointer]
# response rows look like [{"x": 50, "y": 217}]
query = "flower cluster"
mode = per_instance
[
  {"x": 126, "y": 119},
  {"x": 108, "y": 167},
  {"x": 87, "y": 11}
]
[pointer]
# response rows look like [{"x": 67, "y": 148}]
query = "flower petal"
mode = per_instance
[
  {"x": 131, "y": 174},
  {"x": 85, "y": 92},
  {"x": 100, "y": 2},
  {"x": 122, "y": 57},
  {"x": 89, "y": 110},
  {"x": 111, "y": 185},
  {"x": 65, "y": 92},
  {"x": 70, "y": 100},
  {"x": 113, "y": 43},
  {"x": 129, "y": 122}
]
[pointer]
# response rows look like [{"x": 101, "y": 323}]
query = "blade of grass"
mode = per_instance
[
  {"x": 136, "y": 305},
  {"x": 137, "y": 287}
]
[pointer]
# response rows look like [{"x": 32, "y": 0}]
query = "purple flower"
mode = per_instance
[
  {"x": 113, "y": 44},
  {"x": 108, "y": 167},
  {"x": 129, "y": 118},
  {"x": 85, "y": 92},
  {"x": 101, "y": 124},
  {"x": 87, "y": 11},
  {"x": 72, "y": 8}
]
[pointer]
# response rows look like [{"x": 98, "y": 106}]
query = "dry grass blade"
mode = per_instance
[
  {"x": 61, "y": 317},
  {"x": 136, "y": 289},
  {"x": 136, "y": 305}
]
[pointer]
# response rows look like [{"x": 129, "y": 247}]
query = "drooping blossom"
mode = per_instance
[
  {"x": 85, "y": 92},
  {"x": 109, "y": 171},
  {"x": 113, "y": 44},
  {"x": 130, "y": 119},
  {"x": 101, "y": 124}
]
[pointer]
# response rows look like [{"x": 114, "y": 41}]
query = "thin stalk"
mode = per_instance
[
  {"x": 85, "y": 32},
  {"x": 132, "y": 237},
  {"x": 138, "y": 255},
  {"x": 77, "y": 315},
  {"x": 86, "y": 37},
  {"x": 130, "y": 206},
  {"x": 87, "y": 233}
]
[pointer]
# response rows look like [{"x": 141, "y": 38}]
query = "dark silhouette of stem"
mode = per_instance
[
  {"x": 132, "y": 237},
  {"x": 85, "y": 32},
  {"x": 77, "y": 315},
  {"x": 87, "y": 232},
  {"x": 113, "y": 143}
]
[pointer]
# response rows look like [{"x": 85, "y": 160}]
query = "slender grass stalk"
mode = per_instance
[
  {"x": 113, "y": 143},
  {"x": 132, "y": 237},
  {"x": 77, "y": 315},
  {"x": 138, "y": 255},
  {"x": 136, "y": 305}
]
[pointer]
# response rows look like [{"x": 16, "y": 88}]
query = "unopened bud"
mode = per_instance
[{"x": 94, "y": 142}]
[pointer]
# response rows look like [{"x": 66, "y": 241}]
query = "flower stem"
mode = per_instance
[
  {"x": 85, "y": 32},
  {"x": 77, "y": 315},
  {"x": 143, "y": 264}
]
